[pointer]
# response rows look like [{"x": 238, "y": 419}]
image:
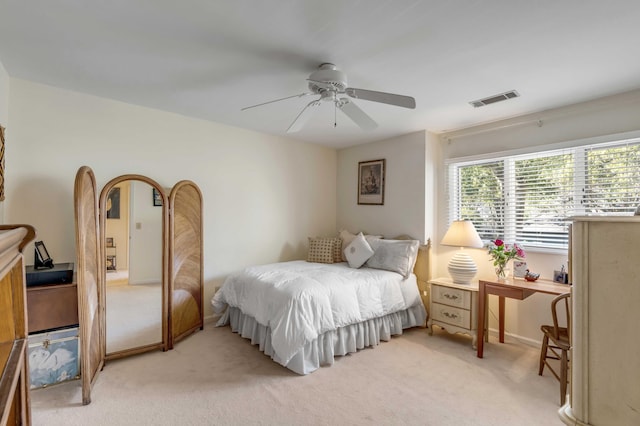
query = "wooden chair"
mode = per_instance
[{"x": 560, "y": 344}]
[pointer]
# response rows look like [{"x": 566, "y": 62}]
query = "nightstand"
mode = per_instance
[{"x": 454, "y": 307}]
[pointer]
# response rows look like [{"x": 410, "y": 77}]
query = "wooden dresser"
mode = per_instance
[
  {"x": 14, "y": 381},
  {"x": 604, "y": 360}
]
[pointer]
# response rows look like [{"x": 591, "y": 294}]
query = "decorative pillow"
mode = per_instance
[
  {"x": 358, "y": 251},
  {"x": 347, "y": 237},
  {"x": 394, "y": 255},
  {"x": 337, "y": 250},
  {"x": 321, "y": 250},
  {"x": 372, "y": 238}
]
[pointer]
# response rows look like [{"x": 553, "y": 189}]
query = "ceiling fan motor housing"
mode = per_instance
[{"x": 327, "y": 78}]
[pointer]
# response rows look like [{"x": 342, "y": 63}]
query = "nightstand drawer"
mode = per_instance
[
  {"x": 451, "y": 315},
  {"x": 451, "y": 296}
]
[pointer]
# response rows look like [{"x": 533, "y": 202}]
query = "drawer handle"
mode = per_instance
[
  {"x": 448, "y": 315},
  {"x": 450, "y": 297}
]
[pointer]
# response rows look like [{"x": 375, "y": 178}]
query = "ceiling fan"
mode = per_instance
[{"x": 331, "y": 84}]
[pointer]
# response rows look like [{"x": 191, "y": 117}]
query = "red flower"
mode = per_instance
[{"x": 498, "y": 243}]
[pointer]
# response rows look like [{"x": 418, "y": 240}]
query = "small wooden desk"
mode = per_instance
[{"x": 515, "y": 289}]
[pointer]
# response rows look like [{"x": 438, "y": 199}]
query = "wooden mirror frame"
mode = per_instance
[
  {"x": 164, "y": 344},
  {"x": 186, "y": 266}
]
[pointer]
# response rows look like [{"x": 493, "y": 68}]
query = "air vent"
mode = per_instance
[{"x": 495, "y": 98}]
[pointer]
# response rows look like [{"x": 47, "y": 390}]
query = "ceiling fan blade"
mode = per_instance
[
  {"x": 385, "y": 98},
  {"x": 356, "y": 114},
  {"x": 277, "y": 100},
  {"x": 303, "y": 117}
]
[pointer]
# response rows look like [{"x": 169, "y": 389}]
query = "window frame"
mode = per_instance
[{"x": 579, "y": 151}]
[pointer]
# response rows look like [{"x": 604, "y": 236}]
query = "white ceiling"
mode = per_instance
[{"x": 209, "y": 58}]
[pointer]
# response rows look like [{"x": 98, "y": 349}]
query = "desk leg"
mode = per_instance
[
  {"x": 482, "y": 302},
  {"x": 486, "y": 321},
  {"x": 501, "y": 317}
]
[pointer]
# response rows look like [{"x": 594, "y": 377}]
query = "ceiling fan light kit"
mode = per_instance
[{"x": 331, "y": 83}]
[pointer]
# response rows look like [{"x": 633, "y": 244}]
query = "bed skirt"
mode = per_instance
[{"x": 327, "y": 346}]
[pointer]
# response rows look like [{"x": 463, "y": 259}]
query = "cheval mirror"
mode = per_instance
[
  {"x": 140, "y": 267},
  {"x": 134, "y": 221}
]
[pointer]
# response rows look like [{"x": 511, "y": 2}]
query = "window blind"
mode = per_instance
[{"x": 526, "y": 198}]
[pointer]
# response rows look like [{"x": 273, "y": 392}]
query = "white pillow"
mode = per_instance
[
  {"x": 358, "y": 251},
  {"x": 394, "y": 255},
  {"x": 347, "y": 237},
  {"x": 371, "y": 238}
]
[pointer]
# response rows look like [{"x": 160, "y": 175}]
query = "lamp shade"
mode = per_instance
[{"x": 462, "y": 233}]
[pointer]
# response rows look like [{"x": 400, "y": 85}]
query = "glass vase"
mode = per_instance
[{"x": 501, "y": 271}]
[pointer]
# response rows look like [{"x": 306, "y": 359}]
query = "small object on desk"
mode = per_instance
[
  {"x": 531, "y": 276},
  {"x": 519, "y": 268},
  {"x": 561, "y": 276}
]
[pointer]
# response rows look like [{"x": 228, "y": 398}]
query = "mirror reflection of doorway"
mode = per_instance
[{"x": 133, "y": 249}]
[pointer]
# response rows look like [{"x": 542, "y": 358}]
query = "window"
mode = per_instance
[{"x": 526, "y": 198}]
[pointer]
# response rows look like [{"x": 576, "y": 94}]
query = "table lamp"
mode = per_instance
[{"x": 462, "y": 234}]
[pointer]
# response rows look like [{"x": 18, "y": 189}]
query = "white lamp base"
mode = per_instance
[{"x": 462, "y": 268}]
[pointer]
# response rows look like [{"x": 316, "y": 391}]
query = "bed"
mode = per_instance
[{"x": 303, "y": 314}]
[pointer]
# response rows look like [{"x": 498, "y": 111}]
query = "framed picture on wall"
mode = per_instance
[
  {"x": 371, "y": 182},
  {"x": 111, "y": 263},
  {"x": 157, "y": 199},
  {"x": 113, "y": 204}
]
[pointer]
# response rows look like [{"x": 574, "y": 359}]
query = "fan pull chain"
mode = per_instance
[{"x": 335, "y": 115}]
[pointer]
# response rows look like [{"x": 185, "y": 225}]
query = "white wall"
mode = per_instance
[
  {"x": 4, "y": 96},
  {"x": 263, "y": 195},
  {"x": 145, "y": 232},
  {"x": 409, "y": 196},
  {"x": 573, "y": 125}
]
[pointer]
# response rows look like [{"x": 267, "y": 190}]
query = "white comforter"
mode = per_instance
[{"x": 299, "y": 300}]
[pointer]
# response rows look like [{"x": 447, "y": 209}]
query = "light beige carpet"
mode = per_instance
[
  {"x": 215, "y": 377},
  {"x": 133, "y": 315}
]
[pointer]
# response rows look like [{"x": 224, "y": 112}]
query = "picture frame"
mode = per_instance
[
  {"x": 371, "y": 181},
  {"x": 561, "y": 277},
  {"x": 111, "y": 263},
  {"x": 109, "y": 242},
  {"x": 519, "y": 268},
  {"x": 113, "y": 203},
  {"x": 41, "y": 259},
  {"x": 157, "y": 198}
]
